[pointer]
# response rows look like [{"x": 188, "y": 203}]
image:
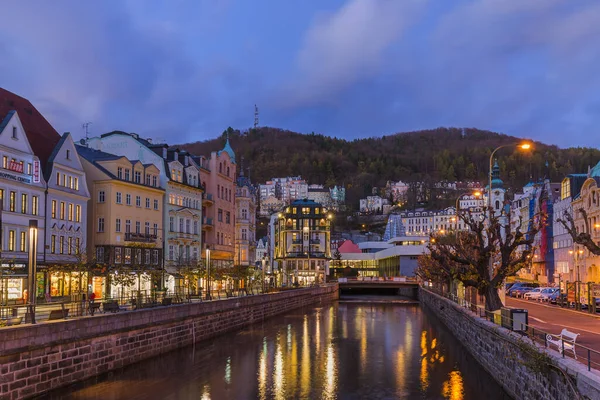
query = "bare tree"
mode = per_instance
[
  {"x": 482, "y": 257},
  {"x": 583, "y": 238}
]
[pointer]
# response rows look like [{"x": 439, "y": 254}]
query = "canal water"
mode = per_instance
[{"x": 335, "y": 351}]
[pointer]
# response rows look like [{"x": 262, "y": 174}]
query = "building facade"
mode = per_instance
[
  {"x": 302, "y": 235},
  {"x": 125, "y": 220},
  {"x": 245, "y": 221},
  {"x": 65, "y": 247}
]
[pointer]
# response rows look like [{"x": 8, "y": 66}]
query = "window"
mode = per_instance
[
  {"x": 171, "y": 252},
  {"x": 53, "y": 244},
  {"x": 11, "y": 240},
  {"x": 101, "y": 196},
  {"x": 53, "y": 208},
  {"x": 70, "y": 182},
  {"x": 120, "y": 172},
  {"x": 4, "y": 162},
  {"x": 14, "y": 133},
  {"x": 137, "y": 177},
  {"x": 22, "y": 244},
  {"x": 154, "y": 181},
  {"x": 244, "y": 213},
  {"x": 119, "y": 198},
  {"x": 29, "y": 168},
  {"x": 171, "y": 224},
  {"x": 128, "y": 199},
  {"x": 58, "y": 178},
  {"x": 126, "y": 174},
  {"x": 100, "y": 254},
  {"x": 147, "y": 228},
  {"x": 118, "y": 225},
  {"x": 147, "y": 256},
  {"x": 76, "y": 183},
  {"x": 137, "y": 226},
  {"x": 138, "y": 201},
  {"x": 101, "y": 224},
  {"x": 244, "y": 234},
  {"x": 228, "y": 217},
  {"x": 195, "y": 227},
  {"x": 118, "y": 255},
  {"x": 138, "y": 256},
  {"x": 68, "y": 154},
  {"x": 62, "y": 210},
  {"x": 219, "y": 191},
  {"x": 70, "y": 212},
  {"x": 155, "y": 227},
  {"x": 155, "y": 257},
  {"x": 77, "y": 246},
  {"x": 69, "y": 245},
  {"x": 148, "y": 179},
  {"x": 12, "y": 201},
  {"x": 35, "y": 205},
  {"x": 61, "y": 245},
  {"x": 127, "y": 225},
  {"x": 77, "y": 213},
  {"x": 127, "y": 257},
  {"x": 147, "y": 202},
  {"x": 156, "y": 204},
  {"x": 180, "y": 224},
  {"x": 220, "y": 215},
  {"x": 23, "y": 203},
  {"x": 187, "y": 226}
]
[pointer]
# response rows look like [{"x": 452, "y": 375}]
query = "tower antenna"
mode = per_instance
[
  {"x": 85, "y": 127},
  {"x": 255, "y": 116}
]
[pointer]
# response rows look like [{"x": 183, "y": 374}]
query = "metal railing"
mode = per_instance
[{"x": 536, "y": 335}]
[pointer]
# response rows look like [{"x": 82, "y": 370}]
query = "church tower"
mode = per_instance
[{"x": 498, "y": 192}]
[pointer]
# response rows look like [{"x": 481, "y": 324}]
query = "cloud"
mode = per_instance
[{"x": 343, "y": 47}]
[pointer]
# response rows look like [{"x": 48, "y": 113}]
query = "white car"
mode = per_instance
[
  {"x": 547, "y": 293},
  {"x": 534, "y": 294}
]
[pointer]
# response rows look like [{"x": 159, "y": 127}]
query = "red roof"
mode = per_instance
[
  {"x": 349, "y": 247},
  {"x": 41, "y": 135}
]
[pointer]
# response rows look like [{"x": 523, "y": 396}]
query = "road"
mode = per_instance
[{"x": 553, "y": 319}]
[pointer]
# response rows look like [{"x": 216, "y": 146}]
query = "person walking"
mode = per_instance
[{"x": 92, "y": 298}]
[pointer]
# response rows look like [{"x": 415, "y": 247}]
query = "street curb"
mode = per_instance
[{"x": 558, "y": 308}]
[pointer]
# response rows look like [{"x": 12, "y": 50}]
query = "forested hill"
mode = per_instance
[{"x": 437, "y": 154}]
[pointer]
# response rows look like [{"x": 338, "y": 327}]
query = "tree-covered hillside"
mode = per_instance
[{"x": 361, "y": 164}]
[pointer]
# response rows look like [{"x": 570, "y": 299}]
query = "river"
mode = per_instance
[{"x": 336, "y": 351}]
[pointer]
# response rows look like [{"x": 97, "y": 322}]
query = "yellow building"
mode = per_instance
[{"x": 125, "y": 226}]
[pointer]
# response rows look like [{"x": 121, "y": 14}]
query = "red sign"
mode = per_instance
[
  {"x": 36, "y": 171},
  {"x": 15, "y": 166}
]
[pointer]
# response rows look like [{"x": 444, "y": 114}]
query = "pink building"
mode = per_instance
[{"x": 218, "y": 205}]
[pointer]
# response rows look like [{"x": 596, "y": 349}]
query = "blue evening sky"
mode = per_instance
[{"x": 185, "y": 70}]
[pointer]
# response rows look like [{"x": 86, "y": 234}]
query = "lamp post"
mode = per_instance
[
  {"x": 264, "y": 259},
  {"x": 522, "y": 146},
  {"x": 577, "y": 253},
  {"x": 31, "y": 281},
  {"x": 208, "y": 273},
  {"x": 457, "y": 208}
]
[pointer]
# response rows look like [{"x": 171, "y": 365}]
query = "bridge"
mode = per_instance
[{"x": 397, "y": 286}]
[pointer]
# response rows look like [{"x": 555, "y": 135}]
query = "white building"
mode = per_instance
[
  {"x": 422, "y": 223},
  {"x": 66, "y": 216},
  {"x": 286, "y": 189},
  {"x": 22, "y": 187},
  {"x": 262, "y": 250},
  {"x": 372, "y": 204}
]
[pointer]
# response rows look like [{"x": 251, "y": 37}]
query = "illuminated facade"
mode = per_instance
[{"x": 302, "y": 235}]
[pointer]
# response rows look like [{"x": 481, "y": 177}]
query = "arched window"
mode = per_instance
[
  {"x": 227, "y": 171},
  {"x": 497, "y": 204},
  {"x": 221, "y": 167}
]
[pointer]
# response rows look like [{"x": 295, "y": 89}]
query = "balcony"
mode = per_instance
[
  {"x": 185, "y": 235},
  {"x": 207, "y": 199},
  {"x": 296, "y": 241},
  {"x": 207, "y": 223},
  {"x": 139, "y": 237},
  {"x": 315, "y": 241}
]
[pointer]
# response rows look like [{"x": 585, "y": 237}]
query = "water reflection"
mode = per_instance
[{"x": 340, "y": 351}]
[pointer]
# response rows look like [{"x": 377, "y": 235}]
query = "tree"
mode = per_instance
[
  {"x": 583, "y": 238},
  {"x": 482, "y": 257}
]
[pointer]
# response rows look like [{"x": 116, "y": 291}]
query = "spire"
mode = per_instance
[{"x": 496, "y": 181}]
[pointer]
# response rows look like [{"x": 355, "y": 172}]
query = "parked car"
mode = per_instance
[
  {"x": 519, "y": 288},
  {"x": 534, "y": 294},
  {"x": 507, "y": 286},
  {"x": 546, "y": 293},
  {"x": 557, "y": 297}
]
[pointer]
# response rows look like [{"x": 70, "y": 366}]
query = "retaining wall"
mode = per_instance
[
  {"x": 502, "y": 353},
  {"x": 37, "y": 358}
]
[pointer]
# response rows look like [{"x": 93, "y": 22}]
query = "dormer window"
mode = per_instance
[
  {"x": 120, "y": 172},
  {"x": 138, "y": 177},
  {"x": 126, "y": 174},
  {"x": 14, "y": 132},
  {"x": 154, "y": 181},
  {"x": 68, "y": 154}
]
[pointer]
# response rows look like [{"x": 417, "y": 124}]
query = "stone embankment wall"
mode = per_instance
[
  {"x": 510, "y": 359},
  {"x": 37, "y": 358}
]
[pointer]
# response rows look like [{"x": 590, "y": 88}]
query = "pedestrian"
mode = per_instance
[{"x": 92, "y": 298}]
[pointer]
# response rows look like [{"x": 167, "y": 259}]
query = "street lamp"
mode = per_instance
[
  {"x": 207, "y": 272},
  {"x": 264, "y": 259},
  {"x": 577, "y": 258},
  {"x": 522, "y": 146},
  {"x": 457, "y": 208},
  {"x": 31, "y": 287}
]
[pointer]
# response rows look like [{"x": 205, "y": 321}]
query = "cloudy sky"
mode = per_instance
[{"x": 184, "y": 70}]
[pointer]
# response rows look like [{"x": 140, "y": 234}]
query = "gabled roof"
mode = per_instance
[
  {"x": 41, "y": 135},
  {"x": 48, "y": 169}
]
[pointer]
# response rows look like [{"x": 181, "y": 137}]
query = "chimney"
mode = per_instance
[{"x": 149, "y": 140}]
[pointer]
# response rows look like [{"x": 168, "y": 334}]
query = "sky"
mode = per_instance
[{"x": 185, "y": 70}]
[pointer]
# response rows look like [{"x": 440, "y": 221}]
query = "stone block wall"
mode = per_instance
[
  {"x": 502, "y": 353},
  {"x": 37, "y": 358}
]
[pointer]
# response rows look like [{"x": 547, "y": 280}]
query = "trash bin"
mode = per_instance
[{"x": 515, "y": 319}]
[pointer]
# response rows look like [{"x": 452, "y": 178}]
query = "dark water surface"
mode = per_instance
[{"x": 336, "y": 351}]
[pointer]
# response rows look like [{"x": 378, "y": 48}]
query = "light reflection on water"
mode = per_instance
[{"x": 338, "y": 351}]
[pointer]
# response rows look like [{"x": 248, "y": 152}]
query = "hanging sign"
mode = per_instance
[{"x": 36, "y": 171}]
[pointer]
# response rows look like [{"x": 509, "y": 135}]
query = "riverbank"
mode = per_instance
[
  {"x": 37, "y": 358},
  {"x": 524, "y": 369}
]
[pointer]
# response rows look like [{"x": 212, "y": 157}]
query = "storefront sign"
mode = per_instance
[
  {"x": 596, "y": 290},
  {"x": 36, "y": 171},
  {"x": 15, "y": 177},
  {"x": 16, "y": 166}
]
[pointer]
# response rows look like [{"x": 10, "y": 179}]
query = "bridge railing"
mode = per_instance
[{"x": 388, "y": 279}]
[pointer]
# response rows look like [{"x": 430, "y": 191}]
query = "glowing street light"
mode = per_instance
[{"x": 31, "y": 281}]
